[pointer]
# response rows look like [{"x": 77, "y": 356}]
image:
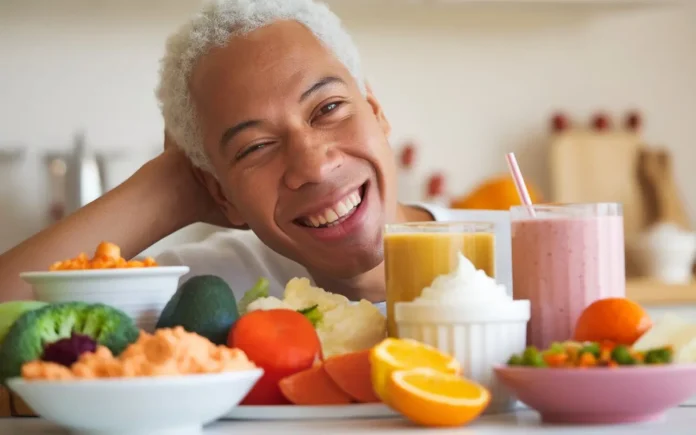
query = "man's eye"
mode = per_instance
[
  {"x": 330, "y": 107},
  {"x": 246, "y": 151}
]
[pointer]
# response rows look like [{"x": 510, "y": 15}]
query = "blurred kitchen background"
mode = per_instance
[{"x": 596, "y": 97}]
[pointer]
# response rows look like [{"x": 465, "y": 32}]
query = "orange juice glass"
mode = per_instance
[{"x": 416, "y": 253}]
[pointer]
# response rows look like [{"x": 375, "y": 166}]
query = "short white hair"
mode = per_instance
[{"x": 219, "y": 21}]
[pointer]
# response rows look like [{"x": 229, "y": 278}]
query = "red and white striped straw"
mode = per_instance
[{"x": 519, "y": 183}]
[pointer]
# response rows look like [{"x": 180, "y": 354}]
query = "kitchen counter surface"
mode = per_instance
[
  {"x": 651, "y": 293},
  {"x": 677, "y": 421}
]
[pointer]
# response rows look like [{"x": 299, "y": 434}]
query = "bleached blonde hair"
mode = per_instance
[{"x": 214, "y": 25}]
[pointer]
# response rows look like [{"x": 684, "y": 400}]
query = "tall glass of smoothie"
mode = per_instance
[
  {"x": 563, "y": 258},
  {"x": 416, "y": 253}
]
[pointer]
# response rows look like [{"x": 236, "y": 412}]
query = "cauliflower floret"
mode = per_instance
[
  {"x": 300, "y": 294},
  {"x": 351, "y": 328},
  {"x": 343, "y": 327},
  {"x": 268, "y": 303}
]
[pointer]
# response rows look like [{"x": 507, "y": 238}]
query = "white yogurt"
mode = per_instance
[
  {"x": 464, "y": 285},
  {"x": 469, "y": 315}
]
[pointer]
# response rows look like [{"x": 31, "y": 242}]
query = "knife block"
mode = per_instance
[{"x": 590, "y": 165}]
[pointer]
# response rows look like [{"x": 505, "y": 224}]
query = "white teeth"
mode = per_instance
[
  {"x": 330, "y": 215},
  {"x": 340, "y": 209}
]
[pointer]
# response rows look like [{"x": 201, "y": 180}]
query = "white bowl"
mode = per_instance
[
  {"x": 478, "y": 337},
  {"x": 142, "y": 293},
  {"x": 137, "y": 406}
]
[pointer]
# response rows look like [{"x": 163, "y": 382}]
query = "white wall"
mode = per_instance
[{"x": 469, "y": 82}]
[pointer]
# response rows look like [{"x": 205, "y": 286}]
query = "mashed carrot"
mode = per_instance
[{"x": 167, "y": 352}]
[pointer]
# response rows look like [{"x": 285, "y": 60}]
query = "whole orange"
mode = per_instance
[
  {"x": 496, "y": 193},
  {"x": 618, "y": 320}
]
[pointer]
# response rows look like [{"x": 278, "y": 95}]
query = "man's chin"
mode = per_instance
[{"x": 347, "y": 266}]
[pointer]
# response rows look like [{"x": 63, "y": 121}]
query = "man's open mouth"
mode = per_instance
[{"x": 337, "y": 213}]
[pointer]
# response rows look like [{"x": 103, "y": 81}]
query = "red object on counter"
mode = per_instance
[
  {"x": 559, "y": 123},
  {"x": 408, "y": 155},
  {"x": 634, "y": 121},
  {"x": 436, "y": 185},
  {"x": 600, "y": 122}
]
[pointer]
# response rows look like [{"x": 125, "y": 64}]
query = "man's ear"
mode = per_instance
[
  {"x": 226, "y": 207},
  {"x": 377, "y": 110}
]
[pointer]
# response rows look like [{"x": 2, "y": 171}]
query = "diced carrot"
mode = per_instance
[
  {"x": 352, "y": 373},
  {"x": 555, "y": 359},
  {"x": 587, "y": 360},
  {"x": 605, "y": 350},
  {"x": 313, "y": 387}
]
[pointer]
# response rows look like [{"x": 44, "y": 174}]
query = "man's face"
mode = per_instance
[{"x": 300, "y": 155}]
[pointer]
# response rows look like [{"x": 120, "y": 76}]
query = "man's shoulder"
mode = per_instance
[
  {"x": 444, "y": 214},
  {"x": 239, "y": 257}
]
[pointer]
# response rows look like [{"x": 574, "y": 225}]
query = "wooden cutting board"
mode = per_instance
[
  {"x": 13, "y": 406},
  {"x": 591, "y": 166}
]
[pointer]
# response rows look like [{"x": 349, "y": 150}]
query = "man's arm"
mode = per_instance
[{"x": 159, "y": 199}]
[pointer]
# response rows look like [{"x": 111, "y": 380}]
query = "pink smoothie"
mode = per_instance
[{"x": 563, "y": 264}]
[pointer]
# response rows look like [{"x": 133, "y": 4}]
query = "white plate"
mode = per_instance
[
  {"x": 137, "y": 406},
  {"x": 297, "y": 412}
]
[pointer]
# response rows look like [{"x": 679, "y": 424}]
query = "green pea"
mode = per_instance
[
  {"x": 557, "y": 348},
  {"x": 622, "y": 355},
  {"x": 592, "y": 348},
  {"x": 533, "y": 358},
  {"x": 662, "y": 355}
]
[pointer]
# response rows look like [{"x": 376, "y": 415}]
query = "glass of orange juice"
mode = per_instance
[{"x": 416, "y": 253}]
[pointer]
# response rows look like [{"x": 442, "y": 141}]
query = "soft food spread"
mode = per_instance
[{"x": 167, "y": 352}]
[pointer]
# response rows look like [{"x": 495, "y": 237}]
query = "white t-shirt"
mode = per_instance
[{"x": 241, "y": 258}]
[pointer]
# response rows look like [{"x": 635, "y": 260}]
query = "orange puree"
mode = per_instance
[{"x": 167, "y": 352}]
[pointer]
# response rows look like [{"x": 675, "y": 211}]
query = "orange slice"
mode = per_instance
[
  {"x": 402, "y": 354},
  {"x": 432, "y": 398}
]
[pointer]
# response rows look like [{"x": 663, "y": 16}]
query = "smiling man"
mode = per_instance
[{"x": 271, "y": 129}]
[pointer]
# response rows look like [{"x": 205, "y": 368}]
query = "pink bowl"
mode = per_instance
[{"x": 601, "y": 395}]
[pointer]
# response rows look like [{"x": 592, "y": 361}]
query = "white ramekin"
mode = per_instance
[{"x": 478, "y": 336}]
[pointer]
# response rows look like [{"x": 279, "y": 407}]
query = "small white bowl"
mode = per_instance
[
  {"x": 142, "y": 293},
  {"x": 479, "y": 337},
  {"x": 137, "y": 406}
]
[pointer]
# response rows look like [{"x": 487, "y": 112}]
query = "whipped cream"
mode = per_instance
[{"x": 465, "y": 285}]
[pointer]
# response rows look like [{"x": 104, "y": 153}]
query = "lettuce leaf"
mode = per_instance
[
  {"x": 312, "y": 314},
  {"x": 259, "y": 290}
]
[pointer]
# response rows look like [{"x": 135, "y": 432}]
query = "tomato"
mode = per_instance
[{"x": 281, "y": 342}]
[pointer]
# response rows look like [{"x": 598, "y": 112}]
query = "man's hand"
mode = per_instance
[{"x": 197, "y": 193}]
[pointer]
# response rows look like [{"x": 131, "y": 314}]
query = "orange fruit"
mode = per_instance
[
  {"x": 394, "y": 354},
  {"x": 497, "y": 193},
  {"x": 618, "y": 320},
  {"x": 431, "y": 398}
]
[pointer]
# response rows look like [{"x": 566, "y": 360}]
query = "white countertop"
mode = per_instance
[{"x": 678, "y": 421}]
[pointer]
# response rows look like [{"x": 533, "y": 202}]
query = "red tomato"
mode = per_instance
[{"x": 281, "y": 342}]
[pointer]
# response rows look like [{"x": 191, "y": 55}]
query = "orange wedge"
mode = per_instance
[
  {"x": 403, "y": 354},
  {"x": 432, "y": 398}
]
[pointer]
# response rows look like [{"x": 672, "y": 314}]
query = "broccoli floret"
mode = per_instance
[
  {"x": 312, "y": 314},
  {"x": 29, "y": 335}
]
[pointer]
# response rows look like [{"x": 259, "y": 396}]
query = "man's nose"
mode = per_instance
[{"x": 310, "y": 160}]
